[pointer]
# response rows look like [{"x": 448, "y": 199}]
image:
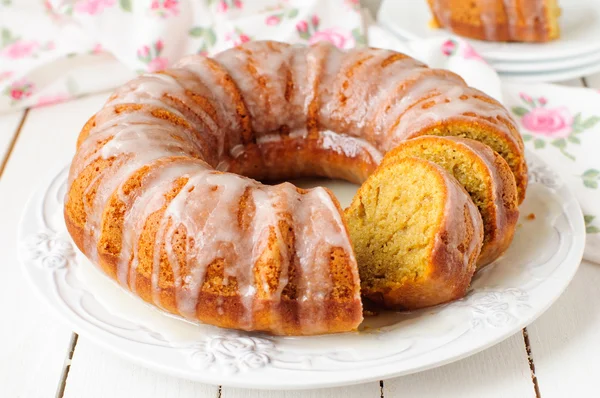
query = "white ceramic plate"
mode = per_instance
[
  {"x": 551, "y": 76},
  {"x": 547, "y": 66},
  {"x": 580, "y": 31},
  {"x": 505, "y": 297}
]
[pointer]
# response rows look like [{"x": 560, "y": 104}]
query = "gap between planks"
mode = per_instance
[
  {"x": 12, "y": 143},
  {"x": 534, "y": 380},
  {"x": 60, "y": 391},
  {"x": 584, "y": 82}
]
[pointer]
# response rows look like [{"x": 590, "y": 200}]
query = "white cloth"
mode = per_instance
[{"x": 54, "y": 50}]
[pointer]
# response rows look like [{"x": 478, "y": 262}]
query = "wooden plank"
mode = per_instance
[
  {"x": 500, "y": 371},
  {"x": 558, "y": 366},
  {"x": 8, "y": 129},
  {"x": 369, "y": 390},
  {"x": 97, "y": 373},
  {"x": 571, "y": 83},
  {"x": 564, "y": 340},
  {"x": 34, "y": 340}
]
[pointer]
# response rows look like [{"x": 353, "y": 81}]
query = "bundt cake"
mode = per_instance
[
  {"x": 499, "y": 20},
  {"x": 416, "y": 235},
  {"x": 484, "y": 175},
  {"x": 162, "y": 195}
]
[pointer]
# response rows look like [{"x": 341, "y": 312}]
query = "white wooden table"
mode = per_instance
[{"x": 40, "y": 356}]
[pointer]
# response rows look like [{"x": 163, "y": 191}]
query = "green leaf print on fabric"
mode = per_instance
[
  {"x": 197, "y": 31},
  {"x": 590, "y": 178},
  {"x": 208, "y": 36},
  {"x": 7, "y": 38},
  {"x": 590, "y": 229},
  {"x": 538, "y": 143},
  {"x": 125, "y": 5},
  {"x": 359, "y": 38},
  {"x": 519, "y": 111}
]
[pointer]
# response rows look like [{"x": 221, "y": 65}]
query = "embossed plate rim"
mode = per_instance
[{"x": 240, "y": 359}]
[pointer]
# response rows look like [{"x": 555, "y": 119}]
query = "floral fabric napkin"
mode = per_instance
[
  {"x": 562, "y": 126},
  {"x": 57, "y": 49},
  {"x": 53, "y": 50}
]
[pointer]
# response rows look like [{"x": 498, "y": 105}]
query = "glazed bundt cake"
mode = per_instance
[
  {"x": 484, "y": 175},
  {"x": 162, "y": 194},
  {"x": 499, "y": 20},
  {"x": 416, "y": 235}
]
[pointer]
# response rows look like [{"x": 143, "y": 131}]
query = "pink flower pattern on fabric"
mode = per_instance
[
  {"x": 93, "y": 7},
  {"x": 157, "y": 64},
  {"x": 151, "y": 57},
  {"x": 51, "y": 99},
  {"x": 224, "y": 6},
  {"x": 554, "y": 123},
  {"x": 556, "y": 126},
  {"x": 470, "y": 53},
  {"x": 272, "y": 20},
  {"x": 35, "y": 49},
  {"x": 19, "y": 90},
  {"x": 353, "y": 4},
  {"x": 302, "y": 27},
  {"x": 5, "y": 75},
  {"x": 98, "y": 49},
  {"x": 310, "y": 32},
  {"x": 449, "y": 47},
  {"x": 165, "y": 8},
  {"x": 237, "y": 37},
  {"x": 283, "y": 12},
  {"x": 453, "y": 47},
  {"x": 20, "y": 49},
  {"x": 335, "y": 36}
]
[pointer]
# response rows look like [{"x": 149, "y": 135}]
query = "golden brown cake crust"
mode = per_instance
[
  {"x": 159, "y": 197},
  {"x": 501, "y": 20}
]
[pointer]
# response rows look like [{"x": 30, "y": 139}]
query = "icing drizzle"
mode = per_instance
[{"x": 181, "y": 149}]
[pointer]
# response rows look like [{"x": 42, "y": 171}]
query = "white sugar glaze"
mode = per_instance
[
  {"x": 451, "y": 102},
  {"x": 252, "y": 97},
  {"x": 349, "y": 146}
]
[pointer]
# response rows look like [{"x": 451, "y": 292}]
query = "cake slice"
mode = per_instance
[
  {"x": 484, "y": 174},
  {"x": 498, "y": 20},
  {"x": 416, "y": 235}
]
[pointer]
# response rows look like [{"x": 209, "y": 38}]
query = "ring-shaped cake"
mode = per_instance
[{"x": 163, "y": 193}]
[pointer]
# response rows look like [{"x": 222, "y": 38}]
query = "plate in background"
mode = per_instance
[
  {"x": 580, "y": 31},
  {"x": 551, "y": 76},
  {"x": 547, "y": 66}
]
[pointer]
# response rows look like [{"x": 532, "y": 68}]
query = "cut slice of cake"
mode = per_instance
[
  {"x": 498, "y": 20},
  {"x": 416, "y": 235},
  {"x": 484, "y": 174}
]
